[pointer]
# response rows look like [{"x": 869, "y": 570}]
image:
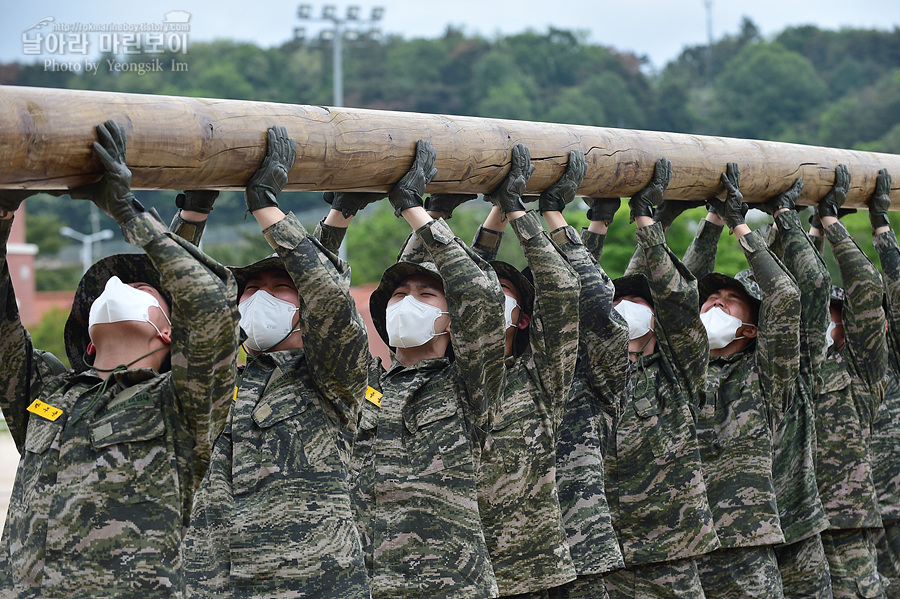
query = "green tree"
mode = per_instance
[
  {"x": 42, "y": 228},
  {"x": 48, "y": 334}
]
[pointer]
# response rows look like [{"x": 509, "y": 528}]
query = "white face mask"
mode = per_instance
[
  {"x": 508, "y": 308},
  {"x": 720, "y": 327},
  {"x": 829, "y": 341},
  {"x": 638, "y": 316},
  {"x": 410, "y": 323},
  {"x": 267, "y": 320},
  {"x": 120, "y": 302}
]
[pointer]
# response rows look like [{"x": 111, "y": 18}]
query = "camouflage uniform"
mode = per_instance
[
  {"x": 746, "y": 393},
  {"x": 272, "y": 518},
  {"x": 426, "y": 437},
  {"x": 885, "y": 434},
  {"x": 655, "y": 480},
  {"x": 517, "y": 489},
  {"x": 103, "y": 491},
  {"x": 591, "y": 412},
  {"x": 801, "y": 560},
  {"x": 849, "y": 398}
]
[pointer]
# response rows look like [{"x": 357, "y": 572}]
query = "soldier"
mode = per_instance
[
  {"x": 848, "y": 401},
  {"x": 417, "y": 456},
  {"x": 885, "y": 434},
  {"x": 801, "y": 559},
  {"x": 655, "y": 480},
  {"x": 112, "y": 449},
  {"x": 752, "y": 322},
  {"x": 272, "y": 517},
  {"x": 518, "y": 497}
]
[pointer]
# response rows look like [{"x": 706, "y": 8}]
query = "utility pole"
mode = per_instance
[{"x": 87, "y": 241}]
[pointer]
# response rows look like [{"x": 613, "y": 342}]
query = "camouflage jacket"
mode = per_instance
[
  {"x": 104, "y": 490},
  {"x": 655, "y": 479},
  {"x": 794, "y": 467},
  {"x": 427, "y": 438},
  {"x": 517, "y": 492},
  {"x": 272, "y": 517},
  {"x": 886, "y": 432},
  {"x": 851, "y": 392},
  {"x": 746, "y": 393},
  {"x": 592, "y": 409}
]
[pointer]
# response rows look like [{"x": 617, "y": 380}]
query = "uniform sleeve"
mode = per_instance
[
  {"x": 602, "y": 333},
  {"x": 413, "y": 251},
  {"x": 863, "y": 313},
  {"x": 487, "y": 243},
  {"x": 329, "y": 236},
  {"x": 23, "y": 370},
  {"x": 593, "y": 243},
  {"x": 334, "y": 334},
  {"x": 205, "y": 334},
  {"x": 889, "y": 253},
  {"x": 189, "y": 231},
  {"x": 778, "y": 336},
  {"x": 554, "y": 323},
  {"x": 805, "y": 263},
  {"x": 477, "y": 334},
  {"x": 636, "y": 263},
  {"x": 676, "y": 304},
  {"x": 700, "y": 257}
]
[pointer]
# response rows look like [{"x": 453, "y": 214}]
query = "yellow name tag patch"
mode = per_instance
[
  {"x": 234, "y": 397},
  {"x": 44, "y": 410},
  {"x": 374, "y": 396}
]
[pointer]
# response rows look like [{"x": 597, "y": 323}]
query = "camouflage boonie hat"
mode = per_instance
[
  {"x": 634, "y": 284},
  {"x": 242, "y": 274},
  {"x": 391, "y": 278},
  {"x": 743, "y": 280},
  {"x": 505, "y": 270},
  {"x": 130, "y": 268}
]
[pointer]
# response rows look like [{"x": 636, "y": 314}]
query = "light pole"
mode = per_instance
[
  {"x": 87, "y": 243},
  {"x": 350, "y": 27}
]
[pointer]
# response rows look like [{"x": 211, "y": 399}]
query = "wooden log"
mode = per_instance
[{"x": 193, "y": 143}]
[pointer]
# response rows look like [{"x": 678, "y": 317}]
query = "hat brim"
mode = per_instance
[
  {"x": 505, "y": 270},
  {"x": 714, "y": 281},
  {"x": 633, "y": 284},
  {"x": 243, "y": 274}
]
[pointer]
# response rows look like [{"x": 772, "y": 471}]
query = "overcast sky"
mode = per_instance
[{"x": 658, "y": 29}]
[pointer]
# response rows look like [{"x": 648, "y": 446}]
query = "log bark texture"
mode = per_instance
[{"x": 194, "y": 143}]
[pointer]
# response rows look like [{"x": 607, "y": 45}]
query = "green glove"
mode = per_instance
[
  {"x": 265, "y": 185},
  {"x": 669, "y": 210},
  {"x": 602, "y": 209},
  {"x": 446, "y": 203},
  {"x": 112, "y": 193},
  {"x": 880, "y": 201},
  {"x": 733, "y": 209},
  {"x": 643, "y": 202},
  {"x": 508, "y": 195},
  {"x": 196, "y": 200},
  {"x": 555, "y": 197},
  {"x": 834, "y": 199},
  {"x": 786, "y": 199},
  {"x": 351, "y": 202},
  {"x": 407, "y": 193}
]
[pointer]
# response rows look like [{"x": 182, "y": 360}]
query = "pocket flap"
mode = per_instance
[
  {"x": 137, "y": 423},
  {"x": 273, "y": 410},
  {"x": 40, "y": 435},
  {"x": 646, "y": 407},
  {"x": 422, "y": 414},
  {"x": 839, "y": 379},
  {"x": 870, "y": 585}
]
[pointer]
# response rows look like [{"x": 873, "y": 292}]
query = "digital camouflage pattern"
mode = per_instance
[
  {"x": 804, "y": 569},
  {"x": 740, "y": 572},
  {"x": 674, "y": 579},
  {"x": 655, "y": 482},
  {"x": 272, "y": 518},
  {"x": 746, "y": 393},
  {"x": 886, "y": 432},
  {"x": 852, "y": 390},
  {"x": 594, "y": 405},
  {"x": 103, "y": 492},
  {"x": 329, "y": 236},
  {"x": 517, "y": 489},
  {"x": 852, "y": 560},
  {"x": 428, "y": 539},
  {"x": 794, "y": 467}
]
